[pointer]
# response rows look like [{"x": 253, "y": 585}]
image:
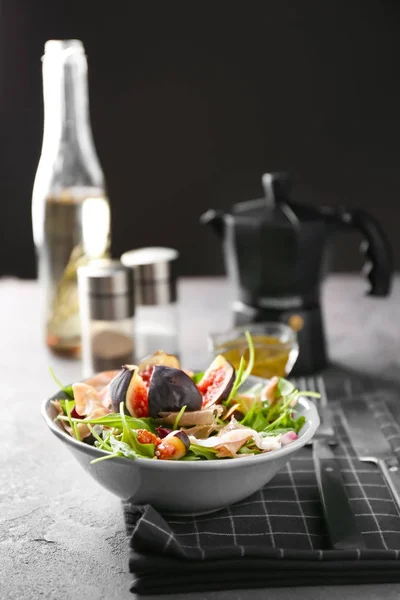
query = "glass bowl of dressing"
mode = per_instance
[{"x": 275, "y": 345}]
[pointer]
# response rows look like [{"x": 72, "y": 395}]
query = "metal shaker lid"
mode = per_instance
[
  {"x": 106, "y": 277},
  {"x": 152, "y": 263},
  {"x": 154, "y": 274},
  {"x": 108, "y": 287}
]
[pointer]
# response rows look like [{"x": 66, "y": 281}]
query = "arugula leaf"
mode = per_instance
[
  {"x": 197, "y": 377},
  {"x": 257, "y": 419},
  {"x": 278, "y": 417},
  {"x": 179, "y": 416},
  {"x": 68, "y": 405},
  {"x": 66, "y": 389},
  {"x": 106, "y": 439},
  {"x": 113, "y": 420},
  {"x": 63, "y": 403},
  {"x": 298, "y": 423},
  {"x": 99, "y": 443},
  {"x": 250, "y": 364},
  {"x": 275, "y": 432},
  {"x": 260, "y": 423},
  {"x": 284, "y": 418},
  {"x": 201, "y": 452},
  {"x": 273, "y": 411},
  {"x": 143, "y": 450},
  {"x": 118, "y": 449},
  {"x": 249, "y": 416},
  {"x": 281, "y": 420},
  {"x": 129, "y": 437},
  {"x": 237, "y": 383},
  {"x": 95, "y": 434},
  {"x": 101, "y": 458},
  {"x": 285, "y": 387},
  {"x": 242, "y": 374},
  {"x": 122, "y": 448},
  {"x": 245, "y": 450}
]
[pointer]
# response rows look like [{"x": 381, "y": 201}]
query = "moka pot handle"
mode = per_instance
[{"x": 376, "y": 248}]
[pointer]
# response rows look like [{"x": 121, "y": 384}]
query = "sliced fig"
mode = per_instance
[
  {"x": 217, "y": 381},
  {"x": 159, "y": 358},
  {"x": 129, "y": 387},
  {"x": 170, "y": 389},
  {"x": 233, "y": 409},
  {"x": 174, "y": 446}
]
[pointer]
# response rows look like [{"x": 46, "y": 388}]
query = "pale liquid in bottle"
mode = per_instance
[{"x": 76, "y": 230}]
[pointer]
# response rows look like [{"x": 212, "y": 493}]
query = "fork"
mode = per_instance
[
  {"x": 339, "y": 517},
  {"x": 326, "y": 430}
]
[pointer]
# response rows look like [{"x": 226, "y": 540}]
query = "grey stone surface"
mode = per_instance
[{"x": 61, "y": 535}]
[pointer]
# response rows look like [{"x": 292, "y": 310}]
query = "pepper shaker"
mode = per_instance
[
  {"x": 157, "y": 316},
  {"x": 107, "y": 309}
]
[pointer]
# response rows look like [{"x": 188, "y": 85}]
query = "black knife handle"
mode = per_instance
[{"x": 339, "y": 517}]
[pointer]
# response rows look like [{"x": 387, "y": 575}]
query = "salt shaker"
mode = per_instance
[
  {"x": 156, "y": 317},
  {"x": 107, "y": 309}
]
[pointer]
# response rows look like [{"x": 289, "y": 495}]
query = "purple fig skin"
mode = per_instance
[
  {"x": 222, "y": 391},
  {"x": 162, "y": 432},
  {"x": 170, "y": 389},
  {"x": 179, "y": 442},
  {"x": 128, "y": 387},
  {"x": 119, "y": 387},
  {"x": 183, "y": 436}
]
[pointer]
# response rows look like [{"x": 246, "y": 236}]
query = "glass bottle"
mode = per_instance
[{"x": 70, "y": 207}]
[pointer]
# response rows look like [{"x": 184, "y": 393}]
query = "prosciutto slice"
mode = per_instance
[
  {"x": 89, "y": 402},
  {"x": 232, "y": 437},
  {"x": 101, "y": 380}
]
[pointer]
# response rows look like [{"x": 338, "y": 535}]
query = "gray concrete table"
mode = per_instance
[{"x": 61, "y": 535}]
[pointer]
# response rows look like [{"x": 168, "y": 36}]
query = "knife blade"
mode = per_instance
[
  {"x": 370, "y": 444},
  {"x": 339, "y": 517}
]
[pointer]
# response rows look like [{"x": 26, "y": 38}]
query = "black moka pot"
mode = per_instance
[{"x": 277, "y": 253}]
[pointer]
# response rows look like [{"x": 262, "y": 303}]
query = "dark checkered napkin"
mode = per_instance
[{"x": 281, "y": 525}]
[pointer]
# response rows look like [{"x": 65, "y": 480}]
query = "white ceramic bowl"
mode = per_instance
[{"x": 175, "y": 487}]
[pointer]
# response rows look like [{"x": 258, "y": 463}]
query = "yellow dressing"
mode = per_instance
[{"x": 271, "y": 354}]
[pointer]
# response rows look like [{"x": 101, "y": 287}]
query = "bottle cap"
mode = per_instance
[
  {"x": 108, "y": 289},
  {"x": 154, "y": 270},
  {"x": 57, "y": 47}
]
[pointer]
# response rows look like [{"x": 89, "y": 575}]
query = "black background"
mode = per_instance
[{"x": 192, "y": 101}]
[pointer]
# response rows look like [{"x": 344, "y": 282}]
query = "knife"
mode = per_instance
[
  {"x": 339, "y": 517},
  {"x": 370, "y": 444}
]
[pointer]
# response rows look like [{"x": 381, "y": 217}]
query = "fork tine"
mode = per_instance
[
  {"x": 322, "y": 390},
  {"x": 328, "y": 429},
  {"x": 298, "y": 382},
  {"x": 312, "y": 383}
]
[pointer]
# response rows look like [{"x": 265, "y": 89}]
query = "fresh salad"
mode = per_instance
[{"x": 159, "y": 411}]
